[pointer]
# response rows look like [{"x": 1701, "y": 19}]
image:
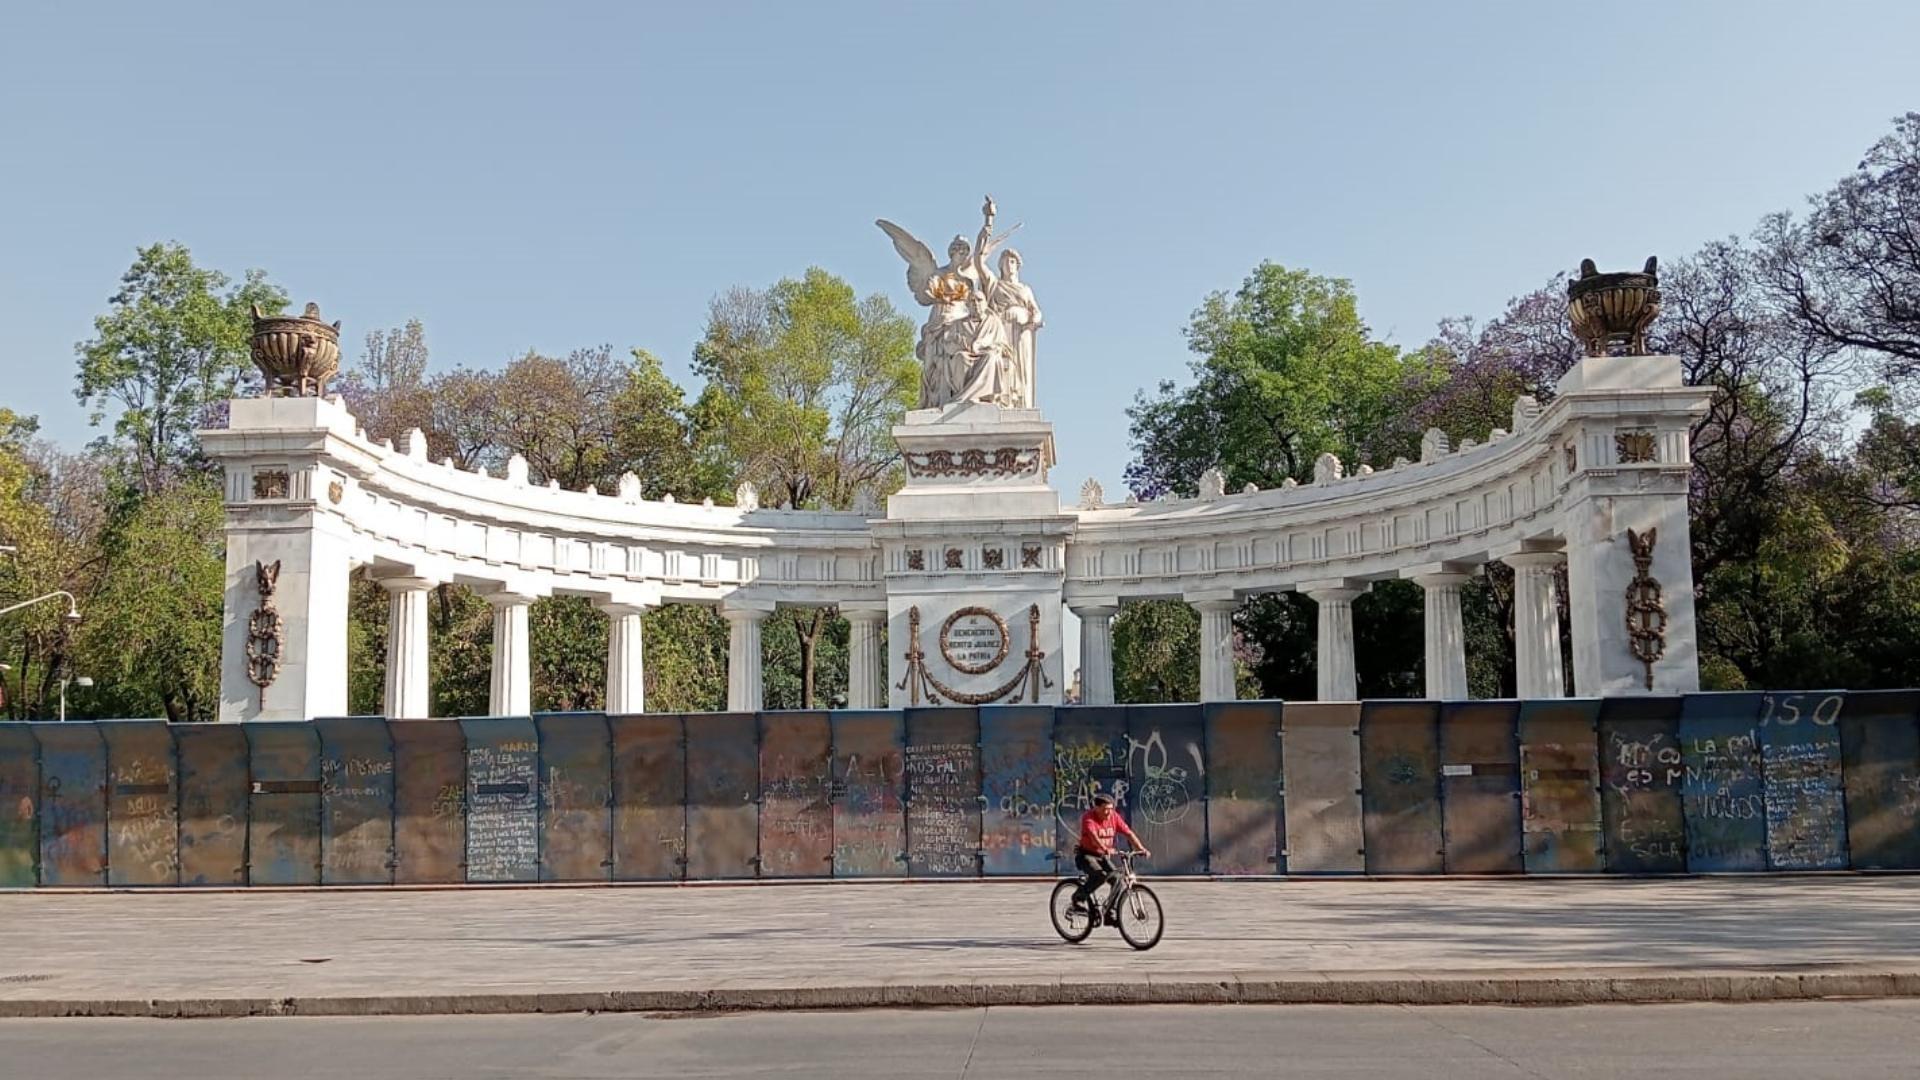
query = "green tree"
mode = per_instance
[
  {"x": 151, "y": 636},
  {"x": 168, "y": 353},
  {"x": 803, "y": 386},
  {"x": 1285, "y": 371}
]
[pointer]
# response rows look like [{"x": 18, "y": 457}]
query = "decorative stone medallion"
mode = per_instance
[
  {"x": 993, "y": 558},
  {"x": 1030, "y": 556},
  {"x": 953, "y": 558},
  {"x": 975, "y": 640},
  {"x": 335, "y": 492},
  {"x": 916, "y": 559}
]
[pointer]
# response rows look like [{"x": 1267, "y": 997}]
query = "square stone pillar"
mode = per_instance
[{"x": 1628, "y": 457}]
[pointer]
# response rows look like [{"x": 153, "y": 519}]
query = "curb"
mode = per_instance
[{"x": 1303, "y": 990}]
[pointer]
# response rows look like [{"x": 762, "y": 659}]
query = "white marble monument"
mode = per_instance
[{"x": 956, "y": 594}]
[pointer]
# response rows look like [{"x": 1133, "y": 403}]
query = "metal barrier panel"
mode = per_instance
[
  {"x": 870, "y": 794},
  {"x": 19, "y": 803},
  {"x": 943, "y": 792},
  {"x": 796, "y": 785},
  {"x": 429, "y": 802},
  {"x": 576, "y": 797},
  {"x": 503, "y": 799},
  {"x": 1016, "y": 782},
  {"x": 1560, "y": 786},
  {"x": 723, "y": 791},
  {"x": 1641, "y": 774},
  {"x": 1400, "y": 787},
  {"x": 356, "y": 801},
  {"x": 1244, "y": 788},
  {"x": 73, "y": 804},
  {"x": 1805, "y": 792},
  {"x": 213, "y": 803},
  {"x": 649, "y": 797},
  {"x": 1880, "y": 743},
  {"x": 1089, "y": 757},
  {"x": 283, "y": 821},
  {"x": 1320, "y": 748},
  {"x": 143, "y": 803},
  {"x": 1723, "y": 792},
  {"x": 1166, "y": 783},
  {"x": 1480, "y": 781}
]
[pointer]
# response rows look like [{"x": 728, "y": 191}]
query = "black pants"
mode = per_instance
[{"x": 1098, "y": 870}]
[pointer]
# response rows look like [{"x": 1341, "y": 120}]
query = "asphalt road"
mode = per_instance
[{"x": 1753, "y": 1042}]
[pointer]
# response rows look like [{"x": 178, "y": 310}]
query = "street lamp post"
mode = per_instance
[
  {"x": 73, "y": 606},
  {"x": 83, "y": 682}
]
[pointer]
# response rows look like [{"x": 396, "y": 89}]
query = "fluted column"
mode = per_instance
[
  {"x": 1538, "y": 672},
  {"x": 1446, "y": 636},
  {"x": 1096, "y": 652},
  {"x": 511, "y": 691},
  {"x": 409, "y": 687},
  {"x": 1333, "y": 662},
  {"x": 865, "y": 623},
  {"x": 745, "y": 681},
  {"x": 1216, "y": 647},
  {"x": 626, "y": 659}
]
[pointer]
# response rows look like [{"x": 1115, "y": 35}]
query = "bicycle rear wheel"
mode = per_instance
[
  {"x": 1072, "y": 926},
  {"x": 1141, "y": 920}
]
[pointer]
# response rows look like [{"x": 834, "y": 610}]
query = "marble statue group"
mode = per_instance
[{"x": 977, "y": 344}]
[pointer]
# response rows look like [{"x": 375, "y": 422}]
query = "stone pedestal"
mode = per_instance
[
  {"x": 974, "y": 550},
  {"x": 1629, "y": 456},
  {"x": 277, "y": 454}
]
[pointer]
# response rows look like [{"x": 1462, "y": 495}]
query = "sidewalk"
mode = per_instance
[{"x": 182, "y": 952}]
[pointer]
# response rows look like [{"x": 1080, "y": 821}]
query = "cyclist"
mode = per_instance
[{"x": 1093, "y": 854}]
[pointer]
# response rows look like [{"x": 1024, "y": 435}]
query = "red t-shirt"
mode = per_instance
[{"x": 1097, "y": 836}]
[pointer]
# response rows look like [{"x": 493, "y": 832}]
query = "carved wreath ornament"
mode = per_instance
[
  {"x": 1646, "y": 610},
  {"x": 264, "y": 631},
  {"x": 923, "y": 686},
  {"x": 1006, "y": 461}
]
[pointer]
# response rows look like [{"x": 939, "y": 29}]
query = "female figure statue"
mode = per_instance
[{"x": 969, "y": 346}]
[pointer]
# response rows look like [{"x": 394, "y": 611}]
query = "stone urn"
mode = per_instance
[
  {"x": 297, "y": 354},
  {"x": 1613, "y": 311}
]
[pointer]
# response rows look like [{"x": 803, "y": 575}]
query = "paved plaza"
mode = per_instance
[{"x": 504, "y": 950}]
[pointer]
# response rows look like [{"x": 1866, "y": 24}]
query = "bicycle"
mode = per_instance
[{"x": 1131, "y": 907}]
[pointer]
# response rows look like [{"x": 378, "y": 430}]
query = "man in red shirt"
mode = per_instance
[{"x": 1093, "y": 852}]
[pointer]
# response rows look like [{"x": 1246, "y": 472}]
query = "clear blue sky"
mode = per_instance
[{"x": 548, "y": 176}]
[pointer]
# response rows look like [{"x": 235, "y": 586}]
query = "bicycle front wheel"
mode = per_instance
[
  {"x": 1072, "y": 926},
  {"x": 1141, "y": 921}
]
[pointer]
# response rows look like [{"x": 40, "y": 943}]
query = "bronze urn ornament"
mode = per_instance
[
  {"x": 1613, "y": 311},
  {"x": 297, "y": 354}
]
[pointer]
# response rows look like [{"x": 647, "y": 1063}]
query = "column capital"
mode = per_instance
[
  {"x": 739, "y": 614},
  {"x": 1096, "y": 609},
  {"x": 864, "y": 610},
  {"x": 1334, "y": 590},
  {"x": 1445, "y": 579},
  {"x": 614, "y": 609},
  {"x": 510, "y": 598},
  {"x": 1214, "y": 601},
  {"x": 1520, "y": 559},
  {"x": 408, "y": 584}
]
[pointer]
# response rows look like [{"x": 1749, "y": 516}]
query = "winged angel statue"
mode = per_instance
[{"x": 977, "y": 344}]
